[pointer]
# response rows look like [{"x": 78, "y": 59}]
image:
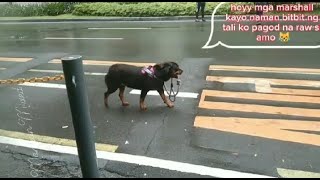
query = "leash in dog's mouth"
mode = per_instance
[{"x": 172, "y": 95}]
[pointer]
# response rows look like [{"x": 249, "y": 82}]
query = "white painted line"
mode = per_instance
[
  {"x": 58, "y": 71},
  {"x": 134, "y": 91},
  {"x": 65, "y": 38},
  {"x": 95, "y": 74},
  {"x": 46, "y": 71},
  {"x": 45, "y": 85},
  {"x": 263, "y": 86},
  {"x": 134, "y": 159},
  {"x": 118, "y": 28},
  {"x": 155, "y": 93}
]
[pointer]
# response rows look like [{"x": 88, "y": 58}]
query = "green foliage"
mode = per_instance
[
  {"x": 45, "y": 9},
  {"x": 143, "y": 9}
]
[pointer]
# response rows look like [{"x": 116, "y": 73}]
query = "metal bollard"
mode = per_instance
[{"x": 78, "y": 99}]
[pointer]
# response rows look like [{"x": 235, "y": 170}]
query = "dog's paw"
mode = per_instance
[
  {"x": 170, "y": 105},
  {"x": 125, "y": 104},
  {"x": 106, "y": 103},
  {"x": 143, "y": 107}
]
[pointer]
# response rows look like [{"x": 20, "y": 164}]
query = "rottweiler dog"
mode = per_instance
[{"x": 143, "y": 78}]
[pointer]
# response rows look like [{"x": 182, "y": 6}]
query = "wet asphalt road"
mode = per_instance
[{"x": 160, "y": 132}]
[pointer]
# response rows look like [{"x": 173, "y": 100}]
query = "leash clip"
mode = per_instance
[{"x": 178, "y": 82}]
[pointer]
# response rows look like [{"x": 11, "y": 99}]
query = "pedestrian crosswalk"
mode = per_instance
[{"x": 294, "y": 111}]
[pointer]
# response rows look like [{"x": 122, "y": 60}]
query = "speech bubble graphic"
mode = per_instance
[{"x": 207, "y": 46}]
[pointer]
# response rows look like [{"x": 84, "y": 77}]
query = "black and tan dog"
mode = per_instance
[{"x": 145, "y": 79}]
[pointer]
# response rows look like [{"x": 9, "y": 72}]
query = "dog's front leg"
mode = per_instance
[
  {"x": 143, "y": 95},
  {"x": 164, "y": 98}
]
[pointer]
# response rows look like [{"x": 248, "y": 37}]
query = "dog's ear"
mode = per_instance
[
  {"x": 159, "y": 66},
  {"x": 167, "y": 69}
]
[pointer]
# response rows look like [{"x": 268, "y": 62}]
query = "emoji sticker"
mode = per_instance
[{"x": 284, "y": 37}]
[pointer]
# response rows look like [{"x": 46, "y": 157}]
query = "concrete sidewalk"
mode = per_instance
[{"x": 20, "y": 162}]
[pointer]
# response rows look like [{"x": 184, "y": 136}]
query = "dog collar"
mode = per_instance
[{"x": 148, "y": 70}]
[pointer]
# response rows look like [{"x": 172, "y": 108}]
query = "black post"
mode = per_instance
[{"x": 78, "y": 99}]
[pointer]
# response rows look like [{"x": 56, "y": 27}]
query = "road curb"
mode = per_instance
[{"x": 171, "y": 18}]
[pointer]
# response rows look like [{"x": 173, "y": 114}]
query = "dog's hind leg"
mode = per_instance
[
  {"x": 121, "y": 95},
  {"x": 106, "y": 95},
  {"x": 112, "y": 87}
]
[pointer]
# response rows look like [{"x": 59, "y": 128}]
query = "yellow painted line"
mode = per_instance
[
  {"x": 104, "y": 63},
  {"x": 289, "y": 173},
  {"x": 261, "y": 96},
  {"x": 253, "y": 108},
  {"x": 264, "y": 69},
  {"x": 10, "y": 59},
  {"x": 288, "y": 82},
  {"x": 2, "y": 68},
  {"x": 266, "y": 128},
  {"x": 53, "y": 140},
  {"x": 301, "y": 92},
  {"x": 249, "y": 108}
]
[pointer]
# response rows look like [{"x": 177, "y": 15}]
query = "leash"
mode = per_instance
[{"x": 172, "y": 94}]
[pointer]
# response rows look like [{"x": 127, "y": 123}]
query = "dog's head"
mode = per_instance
[{"x": 168, "y": 70}]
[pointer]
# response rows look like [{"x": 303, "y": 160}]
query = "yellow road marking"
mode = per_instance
[
  {"x": 301, "y": 92},
  {"x": 3, "y": 68},
  {"x": 288, "y": 82},
  {"x": 289, "y": 173},
  {"x": 260, "y": 109},
  {"x": 265, "y": 128},
  {"x": 104, "y": 63},
  {"x": 53, "y": 140},
  {"x": 257, "y": 108},
  {"x": 261, "y": 96},
  {"x": 265, "y": 69},
  {"x": 10, "y": 59}
]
